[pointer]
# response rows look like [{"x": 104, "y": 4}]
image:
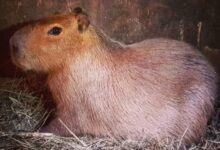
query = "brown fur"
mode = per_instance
[{"x": 156, "y": 88}]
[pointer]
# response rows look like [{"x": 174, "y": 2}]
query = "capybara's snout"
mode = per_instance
[
  {"x": 15, "y": 48},
  {"x": 18, "y": 50}
]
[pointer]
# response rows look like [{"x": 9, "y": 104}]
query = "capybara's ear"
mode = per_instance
[
  {"x": 77, "y": 10},
  {"x": 82, "y": 19}
]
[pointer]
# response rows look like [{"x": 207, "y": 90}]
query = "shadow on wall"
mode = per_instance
[{"x": 7, "y": 69}]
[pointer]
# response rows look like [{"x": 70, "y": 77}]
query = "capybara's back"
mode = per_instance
[
  {"x": 156, "y": 88},
  {"x": 181, "y": 87}
]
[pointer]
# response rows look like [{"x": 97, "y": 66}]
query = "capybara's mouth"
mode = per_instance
[{"x": 20, "y": 63}]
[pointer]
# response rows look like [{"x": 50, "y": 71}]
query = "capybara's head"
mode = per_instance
[{"x": 46, "y": 44}]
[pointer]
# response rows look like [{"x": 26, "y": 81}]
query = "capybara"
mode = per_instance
[{"x": 156, "y": 88}]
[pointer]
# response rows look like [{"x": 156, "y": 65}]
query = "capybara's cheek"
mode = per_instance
[{"x": 36, "y": 64}]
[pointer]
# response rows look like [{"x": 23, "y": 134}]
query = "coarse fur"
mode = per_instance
[{"x": 157, "y": 88}]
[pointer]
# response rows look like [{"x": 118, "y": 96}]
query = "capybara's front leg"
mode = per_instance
[{"x": 56, "y": 126}]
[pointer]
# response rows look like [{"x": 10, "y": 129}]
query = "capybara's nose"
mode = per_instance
[
  {"x": 16, "y": 47},
  {"x": 15, "y": 50}
]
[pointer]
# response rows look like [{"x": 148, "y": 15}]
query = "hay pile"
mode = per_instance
[{"x": 22, "y": 112}]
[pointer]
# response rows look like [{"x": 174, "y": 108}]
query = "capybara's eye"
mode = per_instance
[{"x": 55, "y": 31}]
